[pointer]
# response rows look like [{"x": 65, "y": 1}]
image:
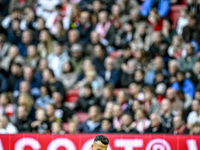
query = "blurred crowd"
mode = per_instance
[{"x": 136, "y": 71}]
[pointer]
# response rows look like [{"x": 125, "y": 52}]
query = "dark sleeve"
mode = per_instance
[
  {"x": 110, "y": 36},
  {"x": 115, "y": 78},
  {"x": 3, "y": 85},
  {"x": 78, "y": 105}
]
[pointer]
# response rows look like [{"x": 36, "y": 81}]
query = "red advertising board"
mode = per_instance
[{"x": 84, "y": 141}]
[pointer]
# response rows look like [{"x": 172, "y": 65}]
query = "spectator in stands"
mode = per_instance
[
  {"x": 182, "y": 21},
  {"x": 156, "y": 126},
  {"x": 68, "y": 76},
  {"x": 193, "y": 6},
  {"x": 154, "y": 47},
  {"x": 23, "y": 122},
  {"x": 151, "y": 104},
  {"x": 32, "y": 56},
  {"x": 162, "y": 5},
  {"x": 183, "y": 83},
  {"x": 26, "y": 40},
  {"x": 195, "y": 130},
  {"x": 24, "y": 87},
  {"x": 26, "y": 100},
  {"x": 87, "y": 100},
  {"x": 13, "y": 56},
  {"x": 57, "y": 58},
  {"x": 107, "y": 35},
  {"x": 99, "y": 57},
  {"x": 122, "y": 99},
  {"x": 106, "y": 126},
  {"x": 50, "y": 113},
  {"x": 110, "y": 74},
  {"x": 56, "y": 128},
  {"x": 52, "y": 82},
  {"x": 155, "y": 20},
  {"x": 187, "y": 63},
  {"x": 42, "y": 65},
  {"x": 40, "y": 26},
  {"x": 158, "y": 65},
  {"x": 107, "y": 96},
  {"x": 73, "y": 127},
  {"x": 167, "y": 115},
  {"x": 194, "y": 74},
  {"x": 117, "y": 116},
  {"x": 73, "y": 38},
  {"x": 194, "y": 116},
  {"x": 121, "y": 62},
  {"x": 127, "y": 5},
  {"x": 45, "y": 97},
  {"x": 139, "y": 77},
  {"x": 167, "y": 31},
  {"x": 40, "y": 124},
  {"x": 14, "y": 34},
  {"x": 77, "y": 57},
  {"x": 177, "y": 104},
  {"x": 28, "y": 75},
  {"x": 46, "y": 45},
  {"x": 185, "y": 98},
  {"x": 4, "y": 46},
  {"x": 93, "y": 124},
  {"x": 127, "y": 126},
  {"x": 20, "y": 4},
  {"x": 7, "y": 106},
  {"x": 176, "y": 49},
  {"x": 29, "y": 19},
  {"x": 127, "y": 75},
  {"x": 6, "y": 126},
  {"x": 173, "y": 68},
  {"x": 135, "y": 91},
  {"x": 85, "y": 27},
  {"x": 62, "y": 112},
  {"x": 179, "y": 127},
  {"x": 15, "y": 75},
  {"x": 192, "y": 27},
  {"x": 141, "y": 122},
  {"x": 60, "y": 34}
]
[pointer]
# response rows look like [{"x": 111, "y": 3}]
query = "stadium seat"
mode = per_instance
[
  {"x": 174, "y": 13},
  {"x": 72, "y": 96},
  {"x": 184, "y": 2}
]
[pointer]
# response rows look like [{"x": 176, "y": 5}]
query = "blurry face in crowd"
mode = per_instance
[
  {"x": 58, "y": 49},
  {"x": 115, "y": 10},
  {"x": 59, "y": 26},
  {"x": 136, "y": 105},
  {"x": 176, "y": 41},
  {"x": 189, "y": 49},
  {"x": 121, "y": 98},
  {"x": 66, "y": 67},
  {"x": 72, "y": 127},
  {"x": 173, "y": 69},
  {"x": 26, "y": 37},
  {"x": 171, "y": 93},
  {"x": 197, "y": 95},
  {"x": 126, "y": 120},
  {"x": 107, "y": 93},
  {"x": 93, "y": 112},
  {"x": 46, "y": 75},
  {"x": 22, "y": 113},
  {"x": 108, "y": 109},
  {"x": 87, "y": 92},
  {"x": 105, "y": 125},
  {"x": 3, "y": 100},
  {"x": 117, "y": 111},
  {"x": 73, "y": 36},
  {"x": 127, "y": 53},
  {"x": 13, "y": 51},
  {"x": 43, "y": 91},
  {"x": 148, "y": 95},
  {"x": 128, "y": 27},
  {"x": 195, "y": 105},
  {"x": 139, "y": 114},
  {"x": 102, "y": 16},
  {"x": 166, "y": 24},
  {"x": 40, "y": 24},
  {"x": 44, "y": 36},
  {"x": 84, "y": 18},
  {"x": 131, "y": 66},
  {"x": 155, "y": 122},
  {"x": 109, "y": 64},
  {"x": 134, "y": 14},
  {"x": 57, "y": 97},
  {"x": 180, "y": 77},
  {"x": 97, "y": 6},
  {"x": 43, "y": 64},
  {"x": 157, "y": 37},
  {"x": 98, "y": 52},
  {"x": 158, "y": 63},
  {"x": 28, "y": 73},
  {"x": 24, "y": 86},
  {"x": 15, "y": 25},
  {"x": 196, "y": 129},
  {"x": 31, "y": 51},
  {"x": 197, "y": 66},
  {"x": 94, "y": 37},
  {"x": 191, "y": 21},
  {"x": 40, "y": 115},
  {"x": 165, "y": 105},
  {"x": 55, "y": 127},
  {"x": 138, "y": 76},
  {"x": 4, "y": 122},
  {"x": 177, "y": 122},
  {"x": 134, "y": 88},
  {"x": 50, "y": 110},
  {"x": 87, "y": 65}
]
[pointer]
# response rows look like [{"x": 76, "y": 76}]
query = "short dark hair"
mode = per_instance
[{"x": 104, "y": 140}]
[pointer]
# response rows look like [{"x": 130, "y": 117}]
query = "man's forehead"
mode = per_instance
[{"x": 100, "y": 146}]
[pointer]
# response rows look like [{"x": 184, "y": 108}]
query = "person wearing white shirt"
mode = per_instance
[{"x": 7, "y": 127}]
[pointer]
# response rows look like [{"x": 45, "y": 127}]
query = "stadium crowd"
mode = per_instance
[{"x": 134, "y": 71}]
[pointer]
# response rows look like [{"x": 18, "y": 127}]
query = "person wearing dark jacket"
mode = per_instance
[
  {"x": 156, "y": 126},
  {"x": 127, "y": 127},
  {"x": 93, "y": 124},
  {"x": 23, "y": 122},
  {"x": 106, "y": 126},
  {"x": 87, "y": 100}
]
